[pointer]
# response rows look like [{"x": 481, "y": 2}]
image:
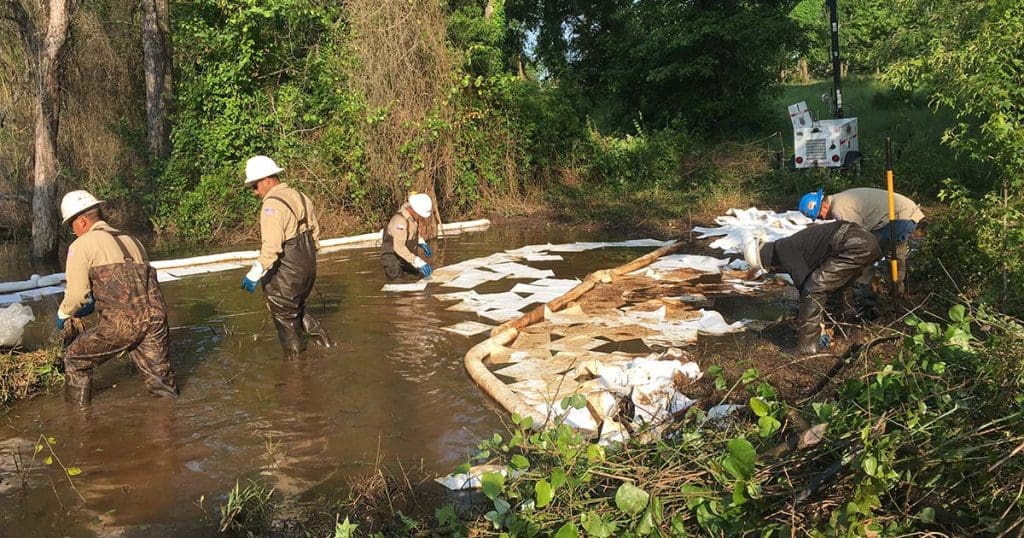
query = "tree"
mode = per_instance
[
  {"x": 706, "y": 62},
  {"x": 156, "y": 47},
  {"x": 46, "y": 56}
]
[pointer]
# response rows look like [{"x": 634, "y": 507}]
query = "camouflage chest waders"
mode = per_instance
[
  {"x": 393, "y": 265},
  {"x": 132, "y": 318},
  {"x": 289, "y": 283}
]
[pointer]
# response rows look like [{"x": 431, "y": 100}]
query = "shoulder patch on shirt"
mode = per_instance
[
  {"x": 399, "y": 226},
  {"x": 70, "y": 251},
  {"x": 268, "y": 211}
]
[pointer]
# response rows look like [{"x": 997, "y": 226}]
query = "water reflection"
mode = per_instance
[{"x": 393, "y": 389}]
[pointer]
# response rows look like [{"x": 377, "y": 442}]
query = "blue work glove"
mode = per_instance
[
  {"x": 427, "y": 251},
  {"x": 88, "y": 308},
  {"x": 249, "y": 285},
  {"x": 253, "y": 277},
  {"x": 824, "y": 341},
  {"x": 59, "y": 323},
  {"x": 425, "y": 270}
]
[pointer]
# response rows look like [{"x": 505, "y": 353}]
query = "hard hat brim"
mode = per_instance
[
  {"x": 266, "y": 173},
  {"x": 83, "y": 210}
]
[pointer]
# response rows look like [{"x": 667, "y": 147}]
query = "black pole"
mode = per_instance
[{"x": 837, "y": 92}]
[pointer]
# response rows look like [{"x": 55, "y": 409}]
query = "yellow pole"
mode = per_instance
[{"x": 893, "y": 263}]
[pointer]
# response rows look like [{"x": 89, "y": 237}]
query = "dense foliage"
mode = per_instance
[{"x": 922, "y": 442}]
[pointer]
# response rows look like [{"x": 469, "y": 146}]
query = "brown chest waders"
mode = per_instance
[
  {"x": 394, "y": 266},
  {"x": 288, "y": 284},
  {"x": 852, "y": 249},
  {"x": 133, "y": 318}
]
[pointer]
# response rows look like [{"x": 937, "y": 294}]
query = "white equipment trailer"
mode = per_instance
[
  {"x": 823, "y": 143},
  {"x": 826, "y": 143}
]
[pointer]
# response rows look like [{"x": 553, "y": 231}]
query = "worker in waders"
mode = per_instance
[
  {"x": 821, "y": 260},
  {"x": 869, "y": 208},
  {"x": 402, "y": 239},
  {"x": 108, "y": 271},
  {"x": 286, "y": 265}
]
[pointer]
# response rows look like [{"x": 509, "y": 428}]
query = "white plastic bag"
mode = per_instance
[{"x": 12, "y": 324}]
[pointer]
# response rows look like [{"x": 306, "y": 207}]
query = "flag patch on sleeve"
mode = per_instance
[{"x": 268, "y": 211}]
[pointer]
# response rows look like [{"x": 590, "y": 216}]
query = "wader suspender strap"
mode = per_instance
[
  {"x": 302, "y": 223},
  {"x": 124, "y": 250}
]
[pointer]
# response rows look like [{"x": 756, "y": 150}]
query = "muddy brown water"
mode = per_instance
[{"x": 394, "y": 390}]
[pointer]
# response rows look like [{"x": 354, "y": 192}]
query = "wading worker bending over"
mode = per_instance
[
  {"x": 402, "y": 238},
  {"x": 108, "y": 271},
  {"x": 869, "y": 208},
  {"x": 821, "y": 259},
  {"x": 286, "y": 265}
]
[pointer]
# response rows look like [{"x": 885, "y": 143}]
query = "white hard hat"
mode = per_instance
[
  {"x": 75, "y": 203},
  {"x": 421, "y": 204},
  {"x": 260, "y": 167}
]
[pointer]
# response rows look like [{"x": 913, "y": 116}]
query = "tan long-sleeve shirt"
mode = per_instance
[
  {"x": 95, "y": 248},
  {"x": 869, "y": 207},
  {"x": 280, "y": 222},
  {"x": 401, "y": 228}
]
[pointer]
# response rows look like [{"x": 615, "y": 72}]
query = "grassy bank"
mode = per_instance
[{"x": 687, "y": 178}]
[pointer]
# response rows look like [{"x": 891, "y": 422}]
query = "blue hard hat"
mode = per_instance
[{"x": 810, "y": 204}]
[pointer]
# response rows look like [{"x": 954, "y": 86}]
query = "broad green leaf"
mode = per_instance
[
  {"x": 870, "y": 465},
  {"x": 740, "y": 461},
  {"x": 957, "y": 312},
  {"x": 567, "y": 531},
  {"x": 595, "y": 454},
  {"x": 520, "y": 462},
  {"x": 759, "y": 407},
  {"x": 631, "y": 499},
  {"x": 596, "y": 526},
  {"x": 739, "y": 493},
  {"x": 543, "y": 493},
  {"x": 493, "y": 483},
  {"x": 557, "y": 478},
  {"x": 768, "y": 426}
]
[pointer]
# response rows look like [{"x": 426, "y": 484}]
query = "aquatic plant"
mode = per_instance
[{"x": 246, "y": 510}]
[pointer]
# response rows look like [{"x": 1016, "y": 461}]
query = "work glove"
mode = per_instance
[
  {"x": 249, "y": 285},
  {"x": 88, "y": 308},
  {"x": 427, "y": 251},
  {"x": 423, "y": 266},
  {"x": 59, "y": 322},
  {"x": 253, "y": 277}
]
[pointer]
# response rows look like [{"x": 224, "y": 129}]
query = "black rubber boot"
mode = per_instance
[
  {"x": 164, "y": 391},
  {"x": 291, "y": 342},
  {"x": 79, "y": 394},
  {"x": 316, "y": 331}
]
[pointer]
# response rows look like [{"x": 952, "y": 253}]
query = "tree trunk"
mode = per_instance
[
  {"x": 47, "y": 165},
  {"x": 805, "y": 75},
  {"x": 156, "y": 49}
]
